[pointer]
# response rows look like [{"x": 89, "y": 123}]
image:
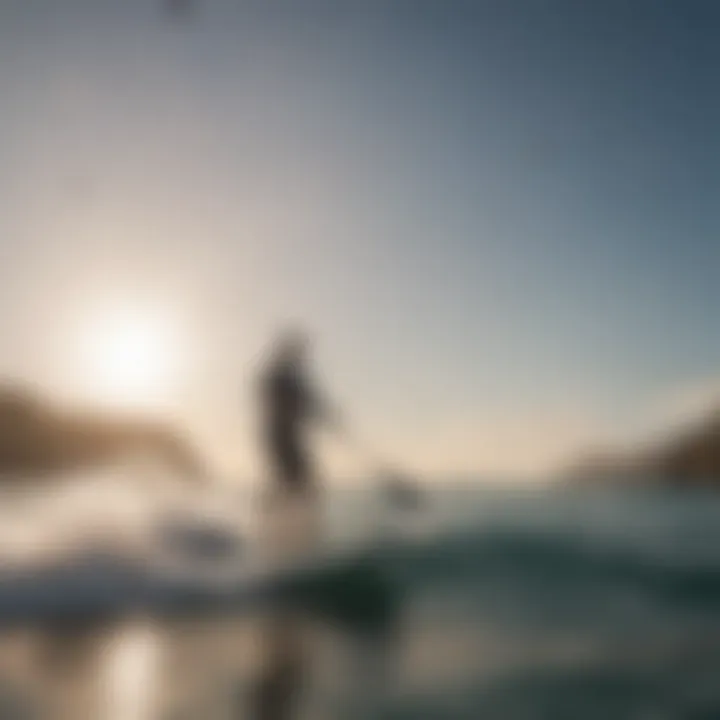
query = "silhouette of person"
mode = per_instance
[{"x": 291, "y": 406}]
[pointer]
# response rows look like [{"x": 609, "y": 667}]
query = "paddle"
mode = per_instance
[{"x": 401, "y": 490}]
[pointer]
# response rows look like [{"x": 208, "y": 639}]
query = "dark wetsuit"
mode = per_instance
[{"x": 288, "y": 406}]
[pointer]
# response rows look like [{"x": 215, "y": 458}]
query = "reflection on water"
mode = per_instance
[
  {"x": 145, "y": 670},
  {"x": 131, "y": 664},
  {"x": 136, "y": 670}
]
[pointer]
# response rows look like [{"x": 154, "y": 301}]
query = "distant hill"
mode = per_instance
[
  {"x": 39, "y": 439},
  {"x": 686, "y": 458}
]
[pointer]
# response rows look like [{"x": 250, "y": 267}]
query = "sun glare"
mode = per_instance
[{"x": 132, "y": 357}]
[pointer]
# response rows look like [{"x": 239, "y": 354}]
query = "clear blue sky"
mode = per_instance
[{"x": 499, "y": 218}]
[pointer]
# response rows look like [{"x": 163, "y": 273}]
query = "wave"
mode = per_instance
[
  {"x": 531, "y": 572},
  {"x": 544, "y": 559}
]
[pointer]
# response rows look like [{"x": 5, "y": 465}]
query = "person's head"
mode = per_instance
[{"x": 292, "y": 346}]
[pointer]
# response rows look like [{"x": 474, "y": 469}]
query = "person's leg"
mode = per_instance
[{"x": 300, "y": 508}]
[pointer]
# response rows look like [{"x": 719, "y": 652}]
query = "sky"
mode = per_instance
[{"x": 497, "y": 218}]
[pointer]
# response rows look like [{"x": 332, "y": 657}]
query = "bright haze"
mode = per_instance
[{"x": 498, "y": 219}]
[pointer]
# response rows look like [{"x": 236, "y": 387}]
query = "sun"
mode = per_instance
[{"x": 132, "y": 356}]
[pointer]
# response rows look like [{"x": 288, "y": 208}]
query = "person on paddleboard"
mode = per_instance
[
  {"x": 290, "y": 407},
  {"x": 357, "y": 596}
]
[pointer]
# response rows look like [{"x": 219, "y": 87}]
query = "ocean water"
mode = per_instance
[{"x": 515, "y": 604}]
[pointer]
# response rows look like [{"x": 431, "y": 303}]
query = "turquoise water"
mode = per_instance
[{"x": 526, "y": 604}]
